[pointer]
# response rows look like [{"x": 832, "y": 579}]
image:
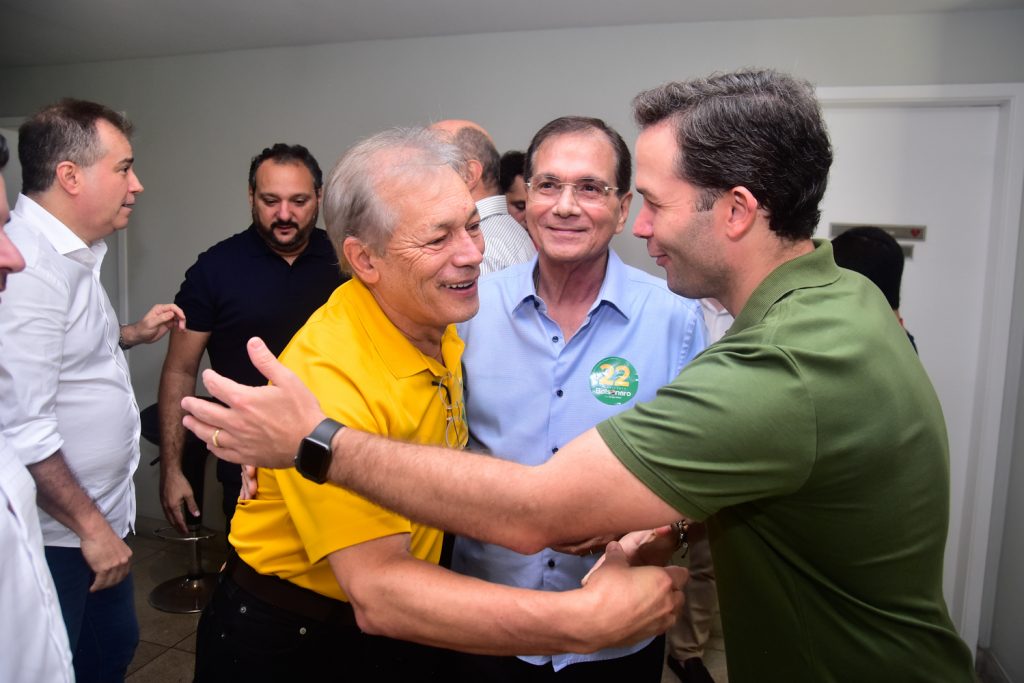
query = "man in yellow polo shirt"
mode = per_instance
[{"x": 318, "y": 568}]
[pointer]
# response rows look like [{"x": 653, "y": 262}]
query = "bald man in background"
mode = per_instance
[{"x": 505, "y": 241}]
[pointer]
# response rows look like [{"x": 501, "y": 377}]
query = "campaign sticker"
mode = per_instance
[{"x": 613, "y": 381}]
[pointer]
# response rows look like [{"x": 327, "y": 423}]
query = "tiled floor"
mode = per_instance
[{"x": 166, "y": 652}]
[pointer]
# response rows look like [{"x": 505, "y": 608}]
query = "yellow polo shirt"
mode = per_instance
[{"x": 367, "y": 375}]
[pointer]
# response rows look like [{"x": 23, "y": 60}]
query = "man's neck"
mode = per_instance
[
  {"x": 425, "y": 338},
  {"x": 754, "y": 270},
  {"x": 570, "y": 289},
  {"x": 481, "y": 192},
  {"x": 58, "y": 207},
  {"x": 289, "y": 257}
]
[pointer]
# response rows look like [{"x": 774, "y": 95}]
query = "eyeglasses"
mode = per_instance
[
  {"x": 456, "y": 433},
  {"x": 586, "y": 190}
]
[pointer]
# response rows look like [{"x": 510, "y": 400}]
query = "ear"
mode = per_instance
[
  {"x": 252, "y": 198},
  {"x": 69, "y": 177},
  {"x": 624, "y": 203},
  {"x": 474, "y": 171},
  {"x": 742, "y": 210},
  {"x": 361, "y": 259}
]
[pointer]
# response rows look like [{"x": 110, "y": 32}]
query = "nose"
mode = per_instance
[
  {"x": 135, "y": 185},
  {"x": 642, "y": 226},
  {"x": 284, "y": 211},
  {"x": 469, "y": 249},
  {"x": 567, "y": 204},
  {"x": 10, "y": 258}
]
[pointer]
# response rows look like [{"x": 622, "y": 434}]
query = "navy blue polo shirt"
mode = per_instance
[{"x": 239, "y": 289}]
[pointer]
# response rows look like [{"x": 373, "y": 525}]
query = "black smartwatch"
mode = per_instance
[{"x": 314, "y": 456}]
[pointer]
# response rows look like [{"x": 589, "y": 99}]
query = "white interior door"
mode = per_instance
[{"x": 932, "y": 166}]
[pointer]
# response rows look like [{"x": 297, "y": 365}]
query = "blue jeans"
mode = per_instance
[{"x": 102, "y": 627}]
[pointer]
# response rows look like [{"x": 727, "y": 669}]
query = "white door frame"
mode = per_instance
[{"x": 1002, "y": 341}]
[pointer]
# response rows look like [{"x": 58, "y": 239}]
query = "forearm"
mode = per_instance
[
  {"x": 397, "y": 595},
  {"x": 60, "y": 494},
  {"x": 430, "y": 485},
  {"x": 465, "y": 493},
  {"x": 415, "y": 600},
  {"x": 174, "y": 386},
  {"x": 177, "y": 380},
  {"x": 63, "y": 498}
]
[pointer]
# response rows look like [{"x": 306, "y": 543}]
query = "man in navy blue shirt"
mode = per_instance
[{"x": 264, "y": 281}]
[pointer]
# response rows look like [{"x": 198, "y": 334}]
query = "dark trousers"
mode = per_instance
[
  {"x": 644, "y": 666},
  {"x": 243, "y": 638},
  {"x": 102, "y": 628}
]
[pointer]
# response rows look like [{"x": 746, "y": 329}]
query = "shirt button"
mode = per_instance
[
  {"x": 555, "y": 449},
  {"x": 551, "y": 564},
  {"x": 559, "y": 393},
  {"x": 555, "y": 339}
]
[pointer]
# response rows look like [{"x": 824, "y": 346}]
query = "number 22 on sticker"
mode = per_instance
[{"x": 614, "y": 375}]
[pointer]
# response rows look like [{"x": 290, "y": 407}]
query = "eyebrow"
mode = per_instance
[
  {"x": 585, "y": 178},
  {"x": 274, "y": 195},
  {"x": 448, "y": 225}
]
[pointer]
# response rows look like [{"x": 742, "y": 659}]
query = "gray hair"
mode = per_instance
[{"x": 352, "y": 203}]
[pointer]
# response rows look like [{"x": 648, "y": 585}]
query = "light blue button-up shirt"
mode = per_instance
[{"x": 528, "y": 393}]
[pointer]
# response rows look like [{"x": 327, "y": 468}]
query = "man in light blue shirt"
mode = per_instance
[{"x": 561, "y": 343}]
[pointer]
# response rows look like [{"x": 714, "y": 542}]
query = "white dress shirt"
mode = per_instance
[
  {"x": 716, "y": 319},
  {"x": 33, "y": 639},
  {"x": 506, "y": 242},
  {"x": 64, "y": 382}
]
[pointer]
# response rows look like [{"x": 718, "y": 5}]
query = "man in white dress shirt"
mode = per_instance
[
  {"x": 33, "y": 640},
  {"x": 506, "y": 243},
  {"x": 71, "y": 415}
]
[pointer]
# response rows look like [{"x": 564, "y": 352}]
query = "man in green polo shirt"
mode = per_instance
[{"x": 809, "y": 438}]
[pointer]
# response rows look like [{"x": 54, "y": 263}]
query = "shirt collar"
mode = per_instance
[
  {"x": 396, "y": 351},
  {"x": 815, "y": 269},
  {"x": 712, "y": 312},
  {"x": 614, "y": 288},
  {"x": 63, "y": 240},
  {"x": 492, "y": 206}
]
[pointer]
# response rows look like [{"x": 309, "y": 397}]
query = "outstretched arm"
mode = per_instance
[
  {"x": 155, "y": 324},
  {"x": 523, "y": 508},
  {"x": 397, "y": 595}
]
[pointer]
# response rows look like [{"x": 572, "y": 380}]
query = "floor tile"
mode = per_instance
[
  {"x": 173, "y": 666},
  {"x": 144, "y": 654},
  {"x": 187, "y": 644}
]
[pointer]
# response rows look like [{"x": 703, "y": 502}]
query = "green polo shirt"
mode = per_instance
[{"x": 813, "y": 443}]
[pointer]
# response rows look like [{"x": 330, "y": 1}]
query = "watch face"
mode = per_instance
[
  {"x": 313, "y": 460},
  {"x": 314, "y": 456}
]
